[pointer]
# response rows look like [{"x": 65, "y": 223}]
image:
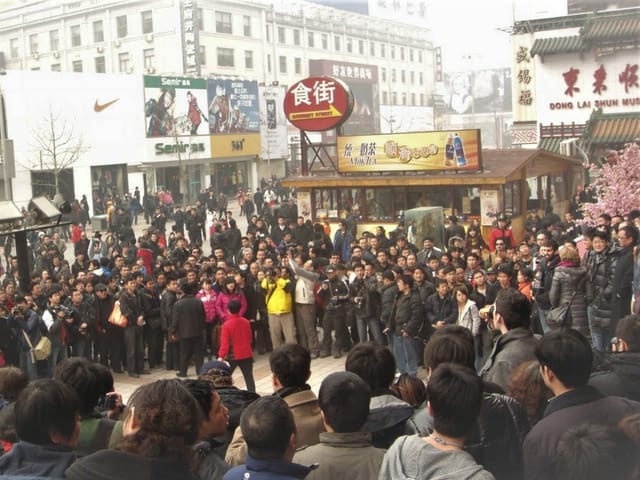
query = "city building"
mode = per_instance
[{"x": 255, "y": 43}]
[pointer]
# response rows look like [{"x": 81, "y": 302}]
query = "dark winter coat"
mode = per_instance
[
  {"x": 601, "y": 267},
  {"x": 30, "y": 460},
  {"x": 188, "y": 318},
  {"x": 408, "y": 314},
  {"x": 623, "y": 378},
  {"x": 621, "y": 286},
  {"x": 510, "y": 350},
  {"x": 568, "y": 280},
  {"x": 387, "y": 298}
]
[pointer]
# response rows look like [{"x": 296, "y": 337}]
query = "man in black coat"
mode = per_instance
[
  {"x": 187, "y": 325},
  {"x": 133, "y": 341},
  {"x": 623, "y": 275},
  {"x": 622, "y": 379},
  {"x": 167, "y": 302},
  {"x": 565, "y": 359}
]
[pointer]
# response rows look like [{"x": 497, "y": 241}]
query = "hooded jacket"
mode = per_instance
[
  {"x": 389, "y": 417},
  {"x": 623, "y": 378}
]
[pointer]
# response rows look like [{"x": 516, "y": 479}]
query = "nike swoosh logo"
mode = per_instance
[{"x": 98, "y": 107}]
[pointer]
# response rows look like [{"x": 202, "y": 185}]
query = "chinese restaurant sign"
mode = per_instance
[
  {"x": 318, "y": 103},
  {"x": 420, "y": 151}
]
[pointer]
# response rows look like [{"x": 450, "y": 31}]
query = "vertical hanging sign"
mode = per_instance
[{"x": 190, "y": 41}]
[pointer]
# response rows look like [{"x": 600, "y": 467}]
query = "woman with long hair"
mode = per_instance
[{"x": 161, "y": 425}]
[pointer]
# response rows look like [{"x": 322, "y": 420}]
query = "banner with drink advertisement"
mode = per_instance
[
  {"x": 273, "y": 123},
  {"x": 418, "y": 151}
]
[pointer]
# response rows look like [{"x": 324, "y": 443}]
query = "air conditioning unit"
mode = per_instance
[
  {"x": 100, "y": 48},
  {"x": 56, "y": 54},
  {"x": 117, "y": 43},
  {"x": 150, "y": 70},
  {"x": 149, "y": 37}
]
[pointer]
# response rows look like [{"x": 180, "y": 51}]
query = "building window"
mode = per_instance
[
  {"x": 268, "y": 33},
  {"x": 361, "y": 47},
  {"x": 246, "y": 25},
  {"x": 282, "y": 63},
  {"x": 383, "y": 50},
  {"x": 336, "y": 43},
  {"x": 411, "y": 54},
  {"x": 349, "y": 45},
  {"x": 403, "y": 77},
  {"x": 248, "y": 59},
  {"x": 297, "y": 65},
  {"x": 310, "y": 39},
  {"x": 203, "y": 55},
  {"x": 123, "y": 62},
  {"x": 99, "y": 64},
  {"x": 420, "y": 78},
  {"x": 225, "y": 57},
  {"x": 55, "y": 67},
  {"x": 76, "y": 39},
  {"x": 54, "y": 40},
  {"x": 34, "y": 47},
  {"x": 393, "y": 52},
  {"x": 419, "y": 56},
  {"x": 223, "y": 22},
  {"x": 383, "y": 74},
  {"x": 372, "y": 49},
  {"x": 121, "y": 26},
  {"x": 147, "y": 21},
  {"x": 393, "y": 74},
  {"x": 98, "y": 31},
  {"x": 394, "y": 98},
  {"x": 402, "y": 53},
  {"x": 76, "y": 66},
  {"x": 413, "y": 99},
  {"x": 200, "y": 19},
  {"x": 13, "y": 46},
  {"x": 325, "y": 41},
  {"x": 385, "y": 98},
  {"x": 422, "y": 99},
  {"x": 269, "y": 67},
  {"x": 296, "y": 37},
  {"x": 282, "y": 35},
  {"x": 412, "y": 77},
  {"x": 149, "y": 56},
  {"x": 404, "y": 99}
]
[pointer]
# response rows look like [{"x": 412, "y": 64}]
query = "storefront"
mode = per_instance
[
  {"x": 229, "y": 177},
  {"x": 510, "y": 181}
]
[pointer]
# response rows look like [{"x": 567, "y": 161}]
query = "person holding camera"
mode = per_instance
[
  {"x": 26, "y": 322},
  {"x": 56, "y": 321},
  {"x": 335, "y": 292},
  {"x": 278, "y": 287}
]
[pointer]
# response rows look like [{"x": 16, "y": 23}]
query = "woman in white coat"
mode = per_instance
[{"x": 468, "y": 317}]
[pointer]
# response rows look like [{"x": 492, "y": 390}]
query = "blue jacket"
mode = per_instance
[
  {"x": 36, "y": 461},
  {"x": 268, "y": 470}
]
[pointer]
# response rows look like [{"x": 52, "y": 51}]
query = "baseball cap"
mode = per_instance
[
  {"x": 221, "y": 367},
  {"x": 330, "y": 269}
]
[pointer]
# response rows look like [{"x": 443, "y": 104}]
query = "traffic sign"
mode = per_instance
[{"x": 318, "y": 103}]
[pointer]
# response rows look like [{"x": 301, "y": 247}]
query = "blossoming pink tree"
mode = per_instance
[{"x": 617, "y": 188}]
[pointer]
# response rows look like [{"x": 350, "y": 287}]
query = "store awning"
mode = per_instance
[
  {"x": 553, "y": 45},
  {"x": 611, "y": 130},
  {"x": 623, "y": 28}
]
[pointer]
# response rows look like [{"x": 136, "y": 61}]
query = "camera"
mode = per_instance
[{"x": 106, "y": 402}]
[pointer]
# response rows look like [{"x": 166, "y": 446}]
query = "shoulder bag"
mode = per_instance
[
  {"x": 116, "y": 317},
  {"x": 41, "y": 351},
  {"x": 560, "y": 316}
]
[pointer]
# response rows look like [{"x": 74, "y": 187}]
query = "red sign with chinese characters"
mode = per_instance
[{"x": 318, "y": 103}]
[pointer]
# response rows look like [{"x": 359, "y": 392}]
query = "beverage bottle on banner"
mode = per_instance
[
  {"x": 449, "y": 152},
  {"x": 461, "y": 160}
]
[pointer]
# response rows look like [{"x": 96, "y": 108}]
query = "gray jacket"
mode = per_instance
[
  {"x": 566, "y": 282},
  {"x": 510, "y": 350}
]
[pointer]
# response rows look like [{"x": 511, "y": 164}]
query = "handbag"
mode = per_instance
[
  {"x": 41, "y": 351},
  {"x": 116, "y": 317},
  {"x": 560, "y": 316}
]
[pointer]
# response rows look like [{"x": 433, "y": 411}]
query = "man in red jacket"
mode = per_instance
[{"x": 235, "y": 344}]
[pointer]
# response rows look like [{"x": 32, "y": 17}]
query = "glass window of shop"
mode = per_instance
[
  {"x": 230, "y": 177},
  {"x": 512, "y": 199},
  {"x": 385, "y": 204},
  {"x": 106, "y": 183}
]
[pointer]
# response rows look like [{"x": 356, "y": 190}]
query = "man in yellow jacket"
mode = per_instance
[{"x": 278, "y": 287}]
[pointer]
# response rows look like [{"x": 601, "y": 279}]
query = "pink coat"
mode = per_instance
[
  {"x": 222, "y": 304},
  {"x": 209, "y": 302}
]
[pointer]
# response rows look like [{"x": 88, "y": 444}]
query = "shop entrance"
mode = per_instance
[{"x": 230, "y": 177}]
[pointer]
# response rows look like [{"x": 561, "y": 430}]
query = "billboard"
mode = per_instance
[
  {"x": 173, "y": 106},
  {"x": 405, "y": 118},
  {"x": 362, "y": 80},
  {"x": 421, "y": 151},
  {"x": 234, "y": 117},
  {"x": 481, "y": 91},
  {"x": 273, "y": 123}
]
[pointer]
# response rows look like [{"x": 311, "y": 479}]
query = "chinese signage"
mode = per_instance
[
  {"x": 318, "y": 103},
  {"x": 190, "y": 39},
  {"x": 173, "y": 106},
  {"x": 234, "y": 117},
  {"x": 523, "y": 80},
  {"x": 273, "y": 123},
  {"x": 574, "y": 86},
  {"x": 362, "y": 80},
  {"x": 443, "y": 150}
]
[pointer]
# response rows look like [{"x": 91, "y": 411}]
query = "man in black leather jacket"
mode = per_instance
[{"x": 496, "y": 440}]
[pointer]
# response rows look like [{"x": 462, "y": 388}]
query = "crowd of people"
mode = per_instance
[{"x": 531, "y": 349}]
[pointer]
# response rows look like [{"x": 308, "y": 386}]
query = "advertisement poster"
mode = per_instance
[
  {"x": 273, "y": 123},
  {"x": 482, "y": 91},
  {"x": 443, "y": 150},
  {"x": 489, "y": 206},
  {"x": 304, "y": 204},
  {"x": 175, "y": 106},
  {"x": 234, "y": 117}
]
